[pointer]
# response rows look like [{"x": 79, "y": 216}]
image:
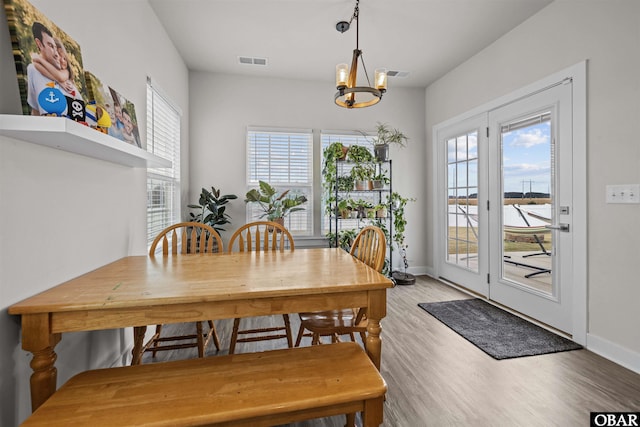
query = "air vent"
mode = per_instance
[
  {"x": 252, "y": 61},
  {"x": 399, "y": 74}
]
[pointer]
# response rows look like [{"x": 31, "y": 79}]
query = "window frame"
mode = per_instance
[
  {"x": 163, "y": 140},
  {"x": 253, "y": 176}
]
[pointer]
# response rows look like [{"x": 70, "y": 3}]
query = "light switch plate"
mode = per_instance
[{"x": 623, "y": 193}]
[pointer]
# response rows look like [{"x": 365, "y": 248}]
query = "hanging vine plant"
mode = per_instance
[{"x": 398, "y": 204}]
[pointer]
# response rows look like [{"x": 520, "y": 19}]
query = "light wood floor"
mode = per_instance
[{"x": 437, "y": 378}]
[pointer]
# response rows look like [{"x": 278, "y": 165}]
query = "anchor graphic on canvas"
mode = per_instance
[{"x": 52, "y": 98}]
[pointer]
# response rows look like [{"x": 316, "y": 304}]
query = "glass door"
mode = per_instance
[
  {"x": 530, "y": 198},
  {"x": 463, "y": 212}
]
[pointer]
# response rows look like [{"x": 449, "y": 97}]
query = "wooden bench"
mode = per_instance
[{"x": 253, "y": 389}]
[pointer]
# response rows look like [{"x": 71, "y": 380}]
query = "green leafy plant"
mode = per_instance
[
  {"x": 345, "y": 183},
  {"x": 345, "y": 207},
  {"x": 363, "y": 171},
  {"x": 334, "y": 152},
  {"x": 359, "y": 154},
  {"x": 345, "y": 238},
  {"x": 399, "y": 224},
  {"x": 388, "y": 135},
  {"x": 273, "y": 204},
  {"x": 212, "y": 206}
]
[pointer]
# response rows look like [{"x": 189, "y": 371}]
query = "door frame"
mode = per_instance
[{"x": 578, "y": 74}]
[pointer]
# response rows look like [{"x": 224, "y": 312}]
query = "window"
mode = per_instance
[
  {"x": 163, "y": 140},
  {"x": 284, "y": 159},
  {"x": 348, "y": 139}
]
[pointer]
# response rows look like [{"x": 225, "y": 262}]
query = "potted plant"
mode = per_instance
[
  {"x": 387, "y": 135},
  {"x": 344, "y": 208},
  {"x": 362, "y": 174},
  {"x": 359, "y": 154},
  {"x": 380, "y": 180},
  {"x": 332, "y": 154},
  {"x": 399, "y": 223},
  {"x": 212, "y": 206},
  {"x": 362, "y": 206},
  {"x": 381, "y": 210},
  {"x": 345, "y": 183},
  {"x": 275, "y": 206},
  {"x": 336, "y": 151}
]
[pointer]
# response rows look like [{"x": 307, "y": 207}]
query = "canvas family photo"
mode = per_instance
[
  {"x": 48, "y": 64},
  {"x": 124, "y": 124}
]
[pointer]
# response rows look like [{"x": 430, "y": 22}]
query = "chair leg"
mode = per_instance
[
  {"x": 200, "y": 339},
  {"x": 300, "y": 334},
  {"x": 155, "y": 342},
  {"x": 138, "y": 338},
  {"x": 234, "y": 335},
  {"x": 351, "y": 420},
  {"x": 214, "y": 334},
  {"x": 287, "y": 327}
]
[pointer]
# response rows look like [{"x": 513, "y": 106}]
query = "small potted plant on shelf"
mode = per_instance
[
  {"x": 381, "y": 210},
  {"x": 362, "y": 174},
  {"x": 336, "y": 151},
  {"x": 362, "y": 206},
  {"x": 387, "y": 135},
  {"x": 359, "y": 154},
  {"x": 212, "y": 206},
  {"x": 345, "y": 183},
  {"x": 379, "y": 180},
  {"x": 275, "y": 206},
  {"x": 345, "y": 208}
]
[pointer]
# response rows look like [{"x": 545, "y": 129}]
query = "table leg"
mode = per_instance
[
  {"x": 376, "y": 310},
  {"x": 40, "y": 342},
  {"x": 44, "y": 378}
]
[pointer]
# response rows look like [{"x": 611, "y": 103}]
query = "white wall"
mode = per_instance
[
  {"x": 607, "y": 34},
  {"x": 62, "y": 214},
  {"x": 222, "y": 106}
]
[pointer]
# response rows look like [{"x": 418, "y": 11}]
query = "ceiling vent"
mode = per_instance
[
  {"x": 399, "y": 74},
  {"x": 252, "y": 61}
]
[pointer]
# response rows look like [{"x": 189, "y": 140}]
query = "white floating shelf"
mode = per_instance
[{"x": 67, "y": 135}]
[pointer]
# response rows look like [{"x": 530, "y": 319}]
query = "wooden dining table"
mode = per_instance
[{"x": 144, "y": 290}]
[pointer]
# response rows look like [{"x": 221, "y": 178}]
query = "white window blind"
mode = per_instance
[
  {"x": 163, "y": 184},
  {"x": 284, "y": 159}
]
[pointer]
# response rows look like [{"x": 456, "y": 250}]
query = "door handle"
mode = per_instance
[{"x": 561, "y": 227}]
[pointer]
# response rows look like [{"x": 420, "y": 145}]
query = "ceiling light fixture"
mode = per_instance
[{"x": 349, "y": 94}]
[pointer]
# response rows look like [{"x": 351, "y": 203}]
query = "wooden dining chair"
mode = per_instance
[
  {"x": 185, "y": 238},
  {"x": 370, "y": 247},
  {"x": 261, "y": 236}
]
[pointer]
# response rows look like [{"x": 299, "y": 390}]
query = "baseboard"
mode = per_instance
[
  {"x": 614, "y": 352},
  {"x": 419, "y": 271}
]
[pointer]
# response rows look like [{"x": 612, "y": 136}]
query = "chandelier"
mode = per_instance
[{"x": 349, "y": 94}]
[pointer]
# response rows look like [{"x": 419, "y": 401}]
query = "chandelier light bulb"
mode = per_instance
[
  {"x": 381, "y": 79},
  {"x": 342, "y": 73}
]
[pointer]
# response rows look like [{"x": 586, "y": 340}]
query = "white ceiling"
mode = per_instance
[{"x": 427, "y": 38}]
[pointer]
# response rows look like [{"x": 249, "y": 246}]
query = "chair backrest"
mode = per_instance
[
  {"x": 370, "y": 247},
  {"x": 189, "y": 238},
  {"x": 261, "y": 236}
]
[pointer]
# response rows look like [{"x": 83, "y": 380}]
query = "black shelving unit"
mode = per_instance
[{"x": 374, "y": 196}]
